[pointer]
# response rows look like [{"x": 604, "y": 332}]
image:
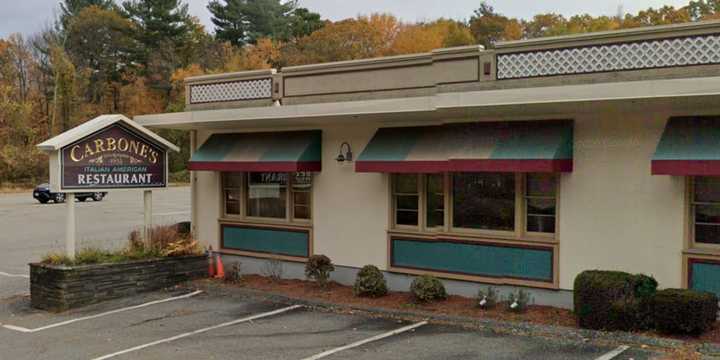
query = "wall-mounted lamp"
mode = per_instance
[{"x": 345, "y": 153}]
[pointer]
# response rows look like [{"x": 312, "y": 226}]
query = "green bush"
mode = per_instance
[
  {"x": 518, "y": 302},
  {"x": 613, "y": 300},
  {"x": 318, "y": 268},
  {"x": 488, "y": 298},
  {"x": 427, "y": 288},
  {"x": 681, "y": 311},
  {"x": 370, "y": 282}
]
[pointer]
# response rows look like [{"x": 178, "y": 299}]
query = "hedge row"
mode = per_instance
[{"x": 614, "y": 300}]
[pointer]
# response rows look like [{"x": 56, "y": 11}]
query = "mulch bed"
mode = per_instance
[{"x": 454, "y": 305}]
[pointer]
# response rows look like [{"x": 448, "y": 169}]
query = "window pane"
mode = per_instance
[
  {"x": 406, "y": 217},
  {"x": 302, "y": 212},
  {"x": 707, "y": 234},
  {"x": 406, "y": 184},
  {"x": 484, "y": 201},
  {"x": 541, "y": 184},
  {"x": 707, "y": 214},
  {"x": 232, "y": 180},
  {"x": 267, "y": 194},
  {"x": 406, "y": 202},
  {"x": 541, "y": 207},
  {"x": 301, "y": 198},
  {"x": 542, "y": 224},
  {"x": 232, "y": 202},
  {"x": 435, "y": 201},
  {"x": 302, "y": 181},
  {"x": 707, "y": 189}
]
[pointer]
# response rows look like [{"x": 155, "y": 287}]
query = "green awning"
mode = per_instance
[
  {"x": 690, "y": 146},
  {"x": 287, "y": 151},
  {"x": 519, "y": 146}
]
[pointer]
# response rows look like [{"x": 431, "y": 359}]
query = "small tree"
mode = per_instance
[{"x": 318, "y": 268}]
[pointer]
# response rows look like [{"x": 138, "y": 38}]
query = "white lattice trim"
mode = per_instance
[
  {"x": 628, "y": 56},
  {"x": 231, "y": 91}
]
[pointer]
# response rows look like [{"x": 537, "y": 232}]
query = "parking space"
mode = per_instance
[
  {"x": 228, "y": 326},
  {"x": 180, "y": 324},
  {"x": 29, "y": 230}
]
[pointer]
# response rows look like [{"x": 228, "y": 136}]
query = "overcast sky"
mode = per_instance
[{"x": 29, "y": 16}]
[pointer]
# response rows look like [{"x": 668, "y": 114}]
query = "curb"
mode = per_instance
[{"x": 558, "y": 333}]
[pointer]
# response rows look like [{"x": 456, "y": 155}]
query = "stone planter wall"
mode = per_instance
[{"x": 58, "y": 288}]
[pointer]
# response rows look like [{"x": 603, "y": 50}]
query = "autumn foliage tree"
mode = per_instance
[{"x": 132, "y": 56}]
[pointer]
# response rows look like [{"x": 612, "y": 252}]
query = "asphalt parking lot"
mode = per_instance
[
  {"x": 29, "y": 230},
  {"x": 226, "y": 326},
  {"x": 180, "y": 324}
]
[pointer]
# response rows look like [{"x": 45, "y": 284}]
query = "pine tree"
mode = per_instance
[
  {"x": 70, "y": 8},
  {"x": 159, "y": 24},
  {"x": 244, "y": 22}
]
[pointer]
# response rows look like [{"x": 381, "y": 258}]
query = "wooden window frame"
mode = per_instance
[
  {"x": 520, "y": 232},
  {"x": 690, "y": 204},
  {"x": 244, "y": 218}
]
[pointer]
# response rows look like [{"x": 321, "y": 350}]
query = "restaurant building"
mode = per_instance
[{"x": 520, "y": 166}]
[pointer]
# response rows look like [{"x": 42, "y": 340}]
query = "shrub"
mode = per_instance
[
  {"x": 681, "y": 311},
  {"x": 427, "y": 288},
  {"x": 184, "y": 228},
  {"x": 613, "y": 300},
  {"x": 318, "y": 268},
  {"x": 234, "y": 273},
  {"x": 487, "y": 299},
  {"x": 273, "y": 269},
  {"x": 370, "y": 282},
  {"x": 518, "y": 302}
]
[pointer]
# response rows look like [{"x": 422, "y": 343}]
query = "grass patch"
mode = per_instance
[{"x": 165, "y": 241}]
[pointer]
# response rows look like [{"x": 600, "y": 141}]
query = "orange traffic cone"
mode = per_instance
[
  {"x": 220, "y": 268},
  {"x": 211, "y": 263}
]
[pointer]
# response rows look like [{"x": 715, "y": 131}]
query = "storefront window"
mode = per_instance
[
  {"x": 484, "y": 201},
  {"x": 706, "y": 210},
  {"x": 540, "y": 202},
  {"x": 232, "y": 187},
  {"x": 267, "y": 195},
  {"x": 406, "y": 196},
  {"x": 435, "y": 201},
  {"x": 301, "y": 187}
]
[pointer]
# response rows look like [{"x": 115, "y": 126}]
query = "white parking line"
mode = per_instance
[
  {"x": 368, "y": 340},
  {"x": 614, "y": 353},
  {"x": 14, "y": 275},
  {"x": 26, "y": 330},
  {"x": 177, "y": 337}
]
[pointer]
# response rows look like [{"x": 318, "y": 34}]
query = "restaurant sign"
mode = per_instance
[{"x": 116, "y": 157}]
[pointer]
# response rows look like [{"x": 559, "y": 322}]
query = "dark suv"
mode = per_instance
[{"x": 43, "y": 194}]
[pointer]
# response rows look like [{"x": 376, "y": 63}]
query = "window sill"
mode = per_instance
[
  {"x": 702, "y": 251},
  {"x": 478, "y": 279},
  {"x": 262, "y": 255},
  {"x": 529, "y": 240},
  {"x": 264, "y": 222}
]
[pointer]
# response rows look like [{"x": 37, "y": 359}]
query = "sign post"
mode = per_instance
[
  {"x": 107, "y": 153},
  {"x": 147, "y": 199},
  {"x": 70, "y": 227}
]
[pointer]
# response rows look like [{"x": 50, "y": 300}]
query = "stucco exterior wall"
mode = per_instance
[
  {"x": 614, "y": 215},
  {"x": 350, "y": 209},
  {"x": 207, "y": 206}
]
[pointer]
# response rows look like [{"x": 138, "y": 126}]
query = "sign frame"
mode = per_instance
[
  {"x": 63, "y": 187},
  {"x": 57, "y": 146}
]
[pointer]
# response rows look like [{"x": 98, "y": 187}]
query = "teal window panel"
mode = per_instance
[
  {"x": 705, "y": 276},
  {"x": 474, "y": 259},
  {"x": 265, "y": 240}
]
